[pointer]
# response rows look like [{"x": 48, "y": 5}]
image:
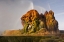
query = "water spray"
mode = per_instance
[
  {"x": 32, "y": 6},
  {"x": 18, "y": 22},
  {"x": 49, "y": 6},
  {"x": 42, "y": 10}
]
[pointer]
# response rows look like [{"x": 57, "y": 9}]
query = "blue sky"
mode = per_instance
[
  {"x": 12, "y": 10},
  {"x": 57, "y": 6}
]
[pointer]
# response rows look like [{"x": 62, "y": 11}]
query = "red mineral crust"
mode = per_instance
[
  {"x": 37, "y": 24},
  {"x": 30, "y": 16}
]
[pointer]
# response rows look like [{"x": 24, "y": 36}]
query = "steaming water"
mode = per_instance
[
  {"x": 18, "y": 24},
  {"x": 11, "y": 12},
  {"x": 49, "y": 6},
  {"x": 31, "y": 6},
  {"x": 40, "y": 9}
]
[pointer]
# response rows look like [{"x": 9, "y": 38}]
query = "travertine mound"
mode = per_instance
[
  {"x": 30, "y": 16},
  {"x": 51, "y": 22},
  {"x": 37, "y": 24}
]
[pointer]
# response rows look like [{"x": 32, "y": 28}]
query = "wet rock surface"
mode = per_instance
[{"x": 37, "y": 24}]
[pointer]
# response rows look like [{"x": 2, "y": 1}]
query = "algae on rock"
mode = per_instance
[{"x": 38, "y": 24}]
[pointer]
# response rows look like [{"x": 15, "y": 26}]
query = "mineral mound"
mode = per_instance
[{"x": 35, "y": 24}]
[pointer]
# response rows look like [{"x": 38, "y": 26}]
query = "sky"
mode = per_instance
[
  {"x": 12, "y": 10},
  {"x": 57, "y": 6}
]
